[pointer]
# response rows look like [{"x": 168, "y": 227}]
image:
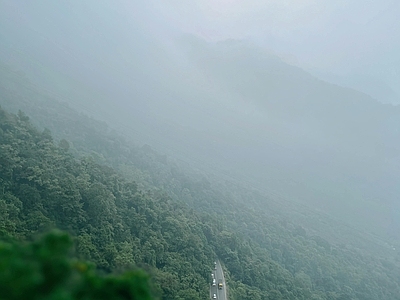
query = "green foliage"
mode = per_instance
[{"x": 44, "y": 270}]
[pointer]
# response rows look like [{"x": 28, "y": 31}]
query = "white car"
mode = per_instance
[
  {"x": 213, "y": 282},
  {"x": 215, "y": 296}
]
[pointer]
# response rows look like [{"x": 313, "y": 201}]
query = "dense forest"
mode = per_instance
[{"x": 128, "y": 207}]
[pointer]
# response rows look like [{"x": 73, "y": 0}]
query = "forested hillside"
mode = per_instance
[
  {"x": 115, "y": 225},
  {"x": 128, "y": 206},
  {"x": 152, "y": 170}
]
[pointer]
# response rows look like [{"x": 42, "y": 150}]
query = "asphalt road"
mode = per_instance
[{"x": 218, "y": 274}]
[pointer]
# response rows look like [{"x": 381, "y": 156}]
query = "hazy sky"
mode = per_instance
[
  {"x": 338, "y": 36},
  {"x": 319, "y": 33},
  {"x": 356, "y": 39}
]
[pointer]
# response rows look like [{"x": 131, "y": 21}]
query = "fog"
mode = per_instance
[
  {"x": 353, "y": 43},
  {"x": 288, "y": 96}
]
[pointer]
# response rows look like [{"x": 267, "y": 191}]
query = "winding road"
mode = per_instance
[{"x": 218, "y": 274}]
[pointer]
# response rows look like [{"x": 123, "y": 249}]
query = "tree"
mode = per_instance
[{"x": 44, "y": 270}]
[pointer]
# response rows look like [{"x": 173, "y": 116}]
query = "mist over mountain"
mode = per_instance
[{"x": 229, "y": 106}]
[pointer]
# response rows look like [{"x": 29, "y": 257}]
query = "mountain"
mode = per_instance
[
  {"x": 340, "y": 144},
  {"x": 230, "y": 108},
  {"x": 129, "y": 206}
]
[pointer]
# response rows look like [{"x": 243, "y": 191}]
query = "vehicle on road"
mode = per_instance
[
  {"x": 215, "y": 296},
  {"x": 220, "y": 284},
  {"x": 213, "y": 282}
]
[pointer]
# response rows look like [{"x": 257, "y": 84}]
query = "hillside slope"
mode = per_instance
[
  {"x": 231, "y": 107},
  {"x": 175, "y": 230}
]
